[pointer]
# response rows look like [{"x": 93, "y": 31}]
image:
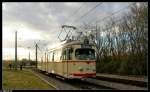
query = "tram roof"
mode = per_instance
[{"x": 65, "y": 43}]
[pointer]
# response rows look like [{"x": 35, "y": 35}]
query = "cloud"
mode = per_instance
[
  {"x": 29, "y": 14},
  {"x": 42, "y": 21}
]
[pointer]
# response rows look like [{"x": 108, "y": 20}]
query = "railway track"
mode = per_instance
[
  {"x": 114, "y": 85},
  {"x": 87, "y": 83},
  {"x": 141, "y": 81},
  {"x": 82, "y": 84},
  {"x": 60, "y": 84}
]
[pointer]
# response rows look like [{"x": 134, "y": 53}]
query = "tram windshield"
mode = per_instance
[{"x": 85, "y": 54}]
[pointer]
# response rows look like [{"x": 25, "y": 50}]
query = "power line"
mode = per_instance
[
  {"x": 75, "y": 12},
  {"x": 114, "y": 13},
  {"x": 39, "y": 48},
  {"x": 119, "y": 20},
  {"x": 41, "y": 51},
  {"x": 88, "y": 12}
]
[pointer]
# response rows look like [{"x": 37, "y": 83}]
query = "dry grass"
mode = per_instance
[{"x": 22, "y": 80}]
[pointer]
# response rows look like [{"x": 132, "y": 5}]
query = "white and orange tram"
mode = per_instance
[{"x": 70, "y": 60}]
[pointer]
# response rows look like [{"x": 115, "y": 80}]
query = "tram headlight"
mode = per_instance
[
  {"x": 80, "y": 69},
  {"x": 94, "y": 70},
  {"x": 87, "y": 68}
]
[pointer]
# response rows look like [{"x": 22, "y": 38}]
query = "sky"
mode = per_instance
[{"x": 41, "y": 23}]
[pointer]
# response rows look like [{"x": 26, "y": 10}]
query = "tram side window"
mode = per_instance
[
  {"x": 49, "y": 56},
  {"x": 70, "y": 51},
  {"x": 53, "y": 56},
  {"x": 57, "y": 56},
  {"x": 66, "y": 55},
  {"x": 42, "y": 59}
]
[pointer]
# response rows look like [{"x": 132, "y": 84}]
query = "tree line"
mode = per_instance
[{"x": 123, "y": 47}]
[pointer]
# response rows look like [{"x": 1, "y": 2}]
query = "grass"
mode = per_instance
[{"x": 22, "y": 80}]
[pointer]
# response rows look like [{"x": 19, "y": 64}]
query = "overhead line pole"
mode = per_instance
[
  {"x": 45, "y": 61},
  {"x": 36, "y": 53},
  {"x": 29, "y": 56},
  {"x": 16, "y": 50}
]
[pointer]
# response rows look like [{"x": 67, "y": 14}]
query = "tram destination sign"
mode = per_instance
[{"x": 86, "y": 46}]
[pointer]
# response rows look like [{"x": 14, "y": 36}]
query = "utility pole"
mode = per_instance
[
  {"x": 29, "y": 56},
  {"x": 36, "y": 53},
  {"x": 45, "y": 61},
  {"x": 16, "y": 50}
]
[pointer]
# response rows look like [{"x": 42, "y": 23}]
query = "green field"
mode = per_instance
[{"x": 22, "y": 80}]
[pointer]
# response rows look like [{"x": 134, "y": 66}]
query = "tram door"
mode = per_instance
[
  {"x": 65, "y": 63},
  {"x": 66, "y": 57}
]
